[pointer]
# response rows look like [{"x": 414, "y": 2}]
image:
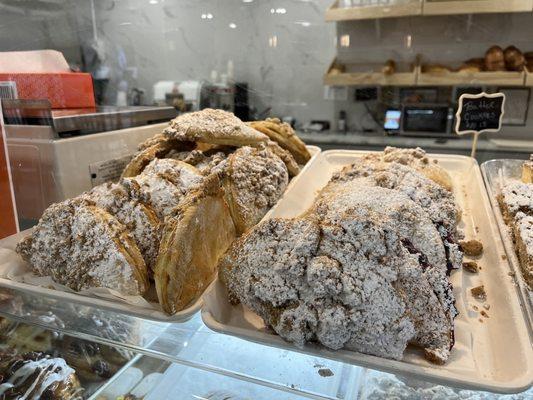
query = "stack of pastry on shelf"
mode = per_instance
[
  {"x": 181, "y": 201},
  {"x": 496, "y": 59},
  {"x": 516, "y": 203},
  {"x": 365, "y": 268}
]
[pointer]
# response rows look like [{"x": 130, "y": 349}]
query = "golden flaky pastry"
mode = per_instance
[
  {"x": 213, "y": 126},
  {"x": 285, "y": 156},
  {"x": 155, "y": 147},
  {"x": 193, "y": 240},
  {"x": 255, "y": 181},
  {"x": 284, "y": 135}
]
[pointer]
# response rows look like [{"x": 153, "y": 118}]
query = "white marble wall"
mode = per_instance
[
  {"x": 282, "y": 54},
  {"x": 280, "y": 47}
]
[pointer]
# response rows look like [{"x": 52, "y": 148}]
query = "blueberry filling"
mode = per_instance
[
  {"x": 422, "y": 258},
  {"x": 447, "y": 240}
]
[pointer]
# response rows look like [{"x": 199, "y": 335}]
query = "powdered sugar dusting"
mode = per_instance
[
  {"x": 82, "y": 246},
  {"x": 213, "y": 126},
  {"x": 364, "y": 269},
  {"x": 258, "y": 179},
  {"x": 163, "y": 184},
  {"x": 141, "y": 220}
]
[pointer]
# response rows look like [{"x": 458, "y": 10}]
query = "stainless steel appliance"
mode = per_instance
[{"x": 428, "y": 120}]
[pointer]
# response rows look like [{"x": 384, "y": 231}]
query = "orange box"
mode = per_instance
[
  {"x": 62, "y": 89},
  {"x": 8, "y": 222}
]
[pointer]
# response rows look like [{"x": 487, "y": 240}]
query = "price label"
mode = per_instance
[{"x": 479, "y": 113}]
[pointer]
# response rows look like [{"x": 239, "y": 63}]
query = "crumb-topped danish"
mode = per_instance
[{"x": 365, "y": 268}]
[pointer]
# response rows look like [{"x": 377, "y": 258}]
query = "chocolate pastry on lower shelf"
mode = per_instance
[
  {"x": 37, "y": 376},
  {"x": 92, "y": 361}
]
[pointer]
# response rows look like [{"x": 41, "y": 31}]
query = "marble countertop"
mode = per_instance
[{"x": 373, "y": 139}]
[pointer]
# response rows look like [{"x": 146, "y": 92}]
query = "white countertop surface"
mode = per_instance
[{"x": 374, "y": 139}]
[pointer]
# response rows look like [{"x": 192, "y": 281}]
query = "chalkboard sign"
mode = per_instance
[{"x": 479, "y": 113}]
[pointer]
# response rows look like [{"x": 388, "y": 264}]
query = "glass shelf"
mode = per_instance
[{"x": 191, "y": 345}]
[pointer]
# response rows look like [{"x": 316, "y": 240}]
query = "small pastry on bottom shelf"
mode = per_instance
[
  {"x": 93, "y": 362},
  {"x": 193, "y": 240},
  {"x": 37, "y": 376}
]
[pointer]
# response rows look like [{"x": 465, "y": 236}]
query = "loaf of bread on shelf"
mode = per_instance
[
  {"x": 514, "y": 59},
  {"x": 529, "y": 60},
  {"x": 472, "y": 65},
  {"x": 494, "y": 59},
  {"x": 435, "y": 68},
  {"x": 365, "y": 268},
  {"x": 389, "y": 68}
]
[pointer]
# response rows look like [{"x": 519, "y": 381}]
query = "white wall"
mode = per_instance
[{"x": 282, "y": 54}]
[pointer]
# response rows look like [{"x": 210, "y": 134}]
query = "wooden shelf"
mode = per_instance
[
  {"x": 407, "y": 75},
  {"x": 336, "y": 13},
  {"x": 529, "y": 78},
  {"x": 427, "y": 7},
  {"x": 450, "y": 7},
  {"x": 370, "y": 74},
  {"x": 471, "y": 78}
]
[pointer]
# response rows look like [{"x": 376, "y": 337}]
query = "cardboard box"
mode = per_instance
[{"x": 62, "y": 89}]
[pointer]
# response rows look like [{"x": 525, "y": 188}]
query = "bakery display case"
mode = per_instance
[{"x": 192, "y": 209}]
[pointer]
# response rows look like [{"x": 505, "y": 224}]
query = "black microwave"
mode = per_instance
[{"x": 427, "y": 120}]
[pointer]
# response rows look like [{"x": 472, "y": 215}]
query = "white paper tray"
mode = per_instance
[
  {"x": 495, "y": 173},
  {"x": 494, "y": 355},
  {"x": 102, "y": 298}
]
